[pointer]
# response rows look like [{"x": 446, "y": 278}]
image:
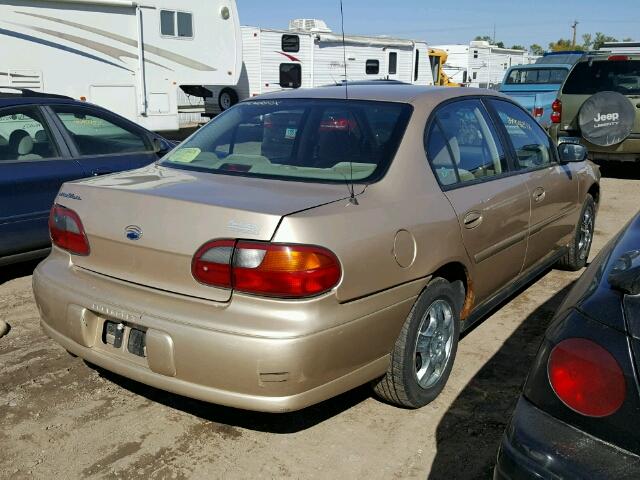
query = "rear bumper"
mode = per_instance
[
  {"x": 538, "y": 446},
  {"x": 250, "y": 353}
]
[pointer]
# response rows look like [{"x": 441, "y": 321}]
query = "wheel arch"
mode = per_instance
[{"x": 454, "y": 271}]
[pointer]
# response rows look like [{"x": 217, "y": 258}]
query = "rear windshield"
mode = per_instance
[
  {"x": 616, "y": 76},
  {"x": 519, "y": 76},
  {"x": 317, "y": 140}
]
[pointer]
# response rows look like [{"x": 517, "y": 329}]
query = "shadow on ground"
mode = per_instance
[
  {"x": 280, "y": 423},
  {"x": 621, "y": 170},
  {"x": 17, "y": 270},
  {"x": 470, "y": 431}
]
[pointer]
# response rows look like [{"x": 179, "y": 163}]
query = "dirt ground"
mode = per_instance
[{"x": 61, "y": 418}]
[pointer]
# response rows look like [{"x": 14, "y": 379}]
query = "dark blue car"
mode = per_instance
[{"x": 46, "y": 140}]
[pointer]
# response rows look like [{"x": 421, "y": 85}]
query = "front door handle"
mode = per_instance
[
  {"x": 472, "y": 219},
  {"x": 539, "y": 194}
]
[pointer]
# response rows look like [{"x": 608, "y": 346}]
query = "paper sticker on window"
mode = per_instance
[
  {"x": 290, "y": 133},
  {"x": 184, "y": 155}
]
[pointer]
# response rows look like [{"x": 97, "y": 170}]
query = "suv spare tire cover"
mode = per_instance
[{"x": 606, "y": 118}]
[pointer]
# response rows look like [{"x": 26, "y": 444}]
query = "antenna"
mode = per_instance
[{"x": 352, "y": 196}]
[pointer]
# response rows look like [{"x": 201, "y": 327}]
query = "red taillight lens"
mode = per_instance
[
  {"x": 618, "y": 58},
  {"x": 586, "y": 377},
  {"x": 292, "y": 271},
  {"x": 538, "y": 112},
  {"x": 556, "y": 111},
  {"x": 66, "y": 230},
  {"x": 275, "y": 270},
  {"x": 211, "y": 264}
]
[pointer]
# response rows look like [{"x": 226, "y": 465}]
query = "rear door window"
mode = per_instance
[
  {"x": 94, "y": 133},
  {"x": 532, "y": 146},
  {"x": 462, "y": 145},
  {"x": 24, "y": 136},
  {"x": 588, "y": 78}
]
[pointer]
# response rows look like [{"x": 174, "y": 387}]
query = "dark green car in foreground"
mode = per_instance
[{"x": 599, "y": 102}]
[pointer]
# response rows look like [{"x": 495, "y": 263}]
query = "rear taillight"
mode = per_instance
[
  {"x": 556, "y": 111},
  {"x": 275, "y": 270},
  {"x": 618, "y": 58},
  {"x": 538, "y": 112},
  {"x": 586, "y": 377},
  {"x": 66, "y": 230}
]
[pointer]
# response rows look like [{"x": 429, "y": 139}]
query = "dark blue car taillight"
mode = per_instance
[{"x": 584, "y": 375}]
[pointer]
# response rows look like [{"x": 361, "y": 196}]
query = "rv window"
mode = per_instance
[
  {"x": 475, "y": 54},
  {"x": 372, "y": 67},
  {"x": 475, "y": 75},
  {"x": 290, "y": 75},
  {"x": 167, "y": 23},
  {"x": 94, "y": 134},
  {"x": 415, "y": 75},
  {"x": 393, "y": 63},
  {"x": 290, "y": 43},
  {"x": 185, "y": 25}
]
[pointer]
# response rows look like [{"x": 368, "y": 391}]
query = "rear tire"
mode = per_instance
[
  {"x": 424, "y": 352},
  {"x": 578, "y": 251},
  {"x": 227, "y": 99}
]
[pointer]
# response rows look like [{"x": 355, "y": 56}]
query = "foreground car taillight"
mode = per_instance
[
  {"x": 556, "y": 111},
  {"x": 586, "y": 377},
  {"x": 275, "y": 270},
  {"x": 66, "y": 230}
]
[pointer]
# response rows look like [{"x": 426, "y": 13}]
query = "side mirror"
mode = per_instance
[
  {"x": 625, "y": 274},
  {"x": 572, "y": 152},
  {"x": 160, "y": 146}
]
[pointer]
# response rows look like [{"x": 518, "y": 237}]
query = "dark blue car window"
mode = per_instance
[{"x": 24, "y": 136}]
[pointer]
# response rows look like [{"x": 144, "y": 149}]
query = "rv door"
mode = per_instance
[{"x": 392, "y": 65}]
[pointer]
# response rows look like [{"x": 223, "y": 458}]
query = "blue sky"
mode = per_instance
[{"x": 457, "y": 21}]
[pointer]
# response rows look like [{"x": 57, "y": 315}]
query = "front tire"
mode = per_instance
[
  {"x": 425, "y": 350},
  {"x": 578, "y": 252}
]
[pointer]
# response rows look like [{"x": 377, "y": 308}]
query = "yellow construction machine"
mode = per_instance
[{"x": 437, "y": 59}]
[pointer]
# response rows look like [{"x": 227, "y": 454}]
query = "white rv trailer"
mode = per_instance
[
  {"x": 128, "y": 56},
  {"x": 480, "y": 64},
  {"x": 310, "y": 55},
  {"x": 621, "y": 48}
]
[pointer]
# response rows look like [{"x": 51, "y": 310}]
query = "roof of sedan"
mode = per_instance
[{"x": 383, "y": 93}]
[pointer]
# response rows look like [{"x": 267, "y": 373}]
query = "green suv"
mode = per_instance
[{"x": 599, "y": 102}]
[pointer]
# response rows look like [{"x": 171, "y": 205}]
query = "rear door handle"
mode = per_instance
[
  {"x": 539, "y": 194},
  {"x": 472, "y": 219}
]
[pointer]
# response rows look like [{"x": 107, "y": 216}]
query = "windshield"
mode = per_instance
[
  {"x": 306, "y": 139},
  {"x": 519, "y": 76},
  {"x": 614, "y": 76}
]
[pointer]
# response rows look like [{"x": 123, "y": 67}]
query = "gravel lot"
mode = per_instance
[{"x": 61, "y": 418}]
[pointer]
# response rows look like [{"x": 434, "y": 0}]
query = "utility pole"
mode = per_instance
[
  {"x": 574, "y": 27},
  {"x": 494, "y": 34}
]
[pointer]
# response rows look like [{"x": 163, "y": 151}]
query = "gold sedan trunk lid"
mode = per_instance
[{"x": 144, "y": 226}]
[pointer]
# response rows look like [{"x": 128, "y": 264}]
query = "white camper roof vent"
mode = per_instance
[{"x": 309, "y": 25}]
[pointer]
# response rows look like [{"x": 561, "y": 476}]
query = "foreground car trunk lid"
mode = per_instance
[{"x": 144, "y": 226}]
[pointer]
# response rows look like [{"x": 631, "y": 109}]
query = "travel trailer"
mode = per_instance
[
  {"x": 129, "y": 57},
  {"x": 310, "y": 55},
  {"x": 480, "y": 64}
]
